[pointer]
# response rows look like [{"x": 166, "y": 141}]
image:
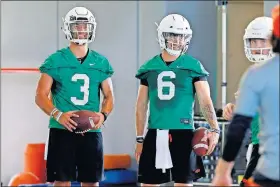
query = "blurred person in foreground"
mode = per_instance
[
  {"x": 259, "y": 92},
  {"x": 258, "y": 49}
]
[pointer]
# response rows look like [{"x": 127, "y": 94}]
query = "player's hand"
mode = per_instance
[
  {"x": 213, "y": 141},
  {"x": 66, "y": 121},
  {"x": 101, "y": 121},
  {"x": 138, "y": 151},
  {"x": 228, "y": 111}
]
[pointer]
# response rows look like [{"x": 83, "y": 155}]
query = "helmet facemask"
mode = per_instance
[
  {"x": 258, "y": 50},
  {"x": 176, "y": 44},
  {"x": 81, "y": 32}
]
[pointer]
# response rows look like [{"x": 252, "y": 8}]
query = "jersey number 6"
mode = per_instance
[
  {"x": 161, "y": 84},
  {"x": 84, "y": 89}
]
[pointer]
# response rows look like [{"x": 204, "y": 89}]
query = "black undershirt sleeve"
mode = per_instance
[
  {"x": 203, "y": 78},
  {"x": 144, "y": 82},
  {"x": 235, "y": 135}
]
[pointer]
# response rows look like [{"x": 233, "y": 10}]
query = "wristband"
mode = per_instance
[
  {"x": 139, "y": 139},
  {"x": 53, "y": 111},
  {"x": 215, "y": 130},
  {"x": 105, "y": 115},
  {"x": 58, "y": 116}
]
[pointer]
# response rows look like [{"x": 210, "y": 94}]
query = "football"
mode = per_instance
[
  {"x": 86, "y": 120},
  {"x": 200, "y": 141}
]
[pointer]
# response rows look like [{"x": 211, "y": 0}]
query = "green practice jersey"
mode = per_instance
[
  {"x": 171, "y": 91},
  {"x": 255, "y": 129},
  {"x": 76, "y": 86}
]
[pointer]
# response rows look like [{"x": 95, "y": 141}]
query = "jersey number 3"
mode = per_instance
[
  {"x": 84, "y": 89},
  {"x": 168, "y": 84}
]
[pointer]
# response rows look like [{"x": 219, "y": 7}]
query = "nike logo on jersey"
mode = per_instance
[
  {"x": 92, "y": 64},
  {"x": 185, "y": 121}
]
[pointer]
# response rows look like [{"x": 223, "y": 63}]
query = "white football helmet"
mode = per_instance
[
  {"x": 259, "y": 28},
  {"x": 174, "y": 34},
  {"x": 79, "y": 26}
]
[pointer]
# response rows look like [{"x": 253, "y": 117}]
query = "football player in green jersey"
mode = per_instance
[
  {"x": 74, "y": 77},
  {"x": 257, "y": 49},
  {"x": 169, "y": 82}
]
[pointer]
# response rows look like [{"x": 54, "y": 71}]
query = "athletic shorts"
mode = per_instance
[
  {"x": 187, "y": 167},
  {"x": 73, "y": 157}
]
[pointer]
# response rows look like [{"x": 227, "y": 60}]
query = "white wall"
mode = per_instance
[
  {"x": 28, "y": 32},
  {"x": 125, "y": 35}
]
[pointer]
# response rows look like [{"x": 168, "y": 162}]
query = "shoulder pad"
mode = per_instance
[
  {"x": 151, "y": 65},
  {"x": 57, "y": 60},
  {"x": 101, "y": 63},
  {"x": 194, "y": 65}
]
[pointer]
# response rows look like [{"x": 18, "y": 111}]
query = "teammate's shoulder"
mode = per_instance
[
  {"x": 190, "y": 61},
  {"x": 97, "y": 56},
  {"x": 152, "y": 62},
  {"x": 189, "y": 58},
  {"x": 149, "y": 65},
  {"x": 55, "y": 59},
  {"x": 193, "y": 64},
  {"x": 101, "y": 62},
  {"x": 61, "y": 53},
  {"x": 50, "y": 61}
]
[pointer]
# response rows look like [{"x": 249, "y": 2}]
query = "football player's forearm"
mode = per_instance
[
  {"x": 209, "y": 113},
  {"x": 107, "y": 104},
  {"x": 44, "y": 103},
  {"x": 108, "y": 99},
  {"x": 141, "y": 113}
]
